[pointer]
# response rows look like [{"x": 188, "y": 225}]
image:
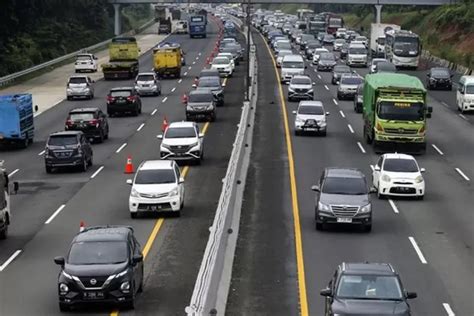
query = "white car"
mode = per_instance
[
  {"x": 398, "y": 175},
  {"x": 231, "y": 58},
  {"x": 182, "y": 141},
  {"x": 310, "y": 117},
  {"x": 157, "y": 187},
  {"x": 280, "y": 56},
  {"x": 223, "y": 65},
  {"x": 85, "y": 62},
  {"x": 147, "y": 83},
  {"x": 317, "y": 53},
  {"x": 374, "y": 62},
  {"x": 181, "y": 27}
]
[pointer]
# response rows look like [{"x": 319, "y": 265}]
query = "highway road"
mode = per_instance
[
  {"x": 282, "y": 262},
  {"x": 48, "y": 208}
]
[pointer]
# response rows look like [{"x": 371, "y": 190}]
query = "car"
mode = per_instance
[
  {"x": 398, "y": 175},
  {"x": 328, "y": 39},
  {"x": 305, "y": 38},
  {"x": 201, "y": 104},
  {"x": 343, "y": 197},
  {"x": 359, "y": 98},
  {"x": 282, "y": 45},
  {"x": 341, "y": 32},
  {"x": 182, "y": 141},
  {"x": 366, "y": 289},
  {"x": 373, "y": 64},
  {"x": 310, "y": 117},
  {"x": 338, "y": 43},
  {"x": 348, "y": 86},
  {"x": 86, "y": 62},
  {"x": 277, "y": 39},
  {"x": 300, "y": 87},
  {"x": 291, "y": 65},
  {"x": 326, "y": 62},
  {"x": 344, "y": 50},
  {"x": 310, "y": 47},
  {"x": 361, "y": 39},
  {"x": 280, "y": 56},
  {"x": 338, "y": 71},
  {"x": 321, "y": 35},
  {"x": 91, "y": 121},
  {"x": 233, "y": 53},
  {"x": 225, "y": 41},
  {"x": 104, "y": 264},
  {"x": 157, "y": 187},
  {"x": 465, "y": 94},
  {"x": 386, "y": 66},
  {"x": 357, "y": 55},
  {"x": 147, "y": 83},
  {"x": 123, "y": 100},
  {"x": 439, "y": 77},
  {"x": 181, "y": 27},
  {"x": 223, "y": 65},
  {"x": 317, "y": 53},
  {"x": 230, "y": 56},
  {"x": 67, "y": 149},
  {"x": 80, "y": 86},
  {"x": 213, "y": 85},
  {"x": 208, "y": 72}
]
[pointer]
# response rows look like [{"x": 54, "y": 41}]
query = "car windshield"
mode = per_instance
[
  {"x": 284, "y": 45},
  {"x": 311, "y": 110},
  {"x": 327, "y": 57},
  {"x": 201, "y": 97},
  {"x": 292, "y": 64},
  {"x": 305, "y": 81},
  {"x": 400, "y": 165},
  {"x": 120, "y": 93},
  {"x": 62, "y": 140},
  {"x": 342, "y": 69},
  {"x": 145, "y": 78},
  {"x": 81, "y": 116},
  {"x": 209, "y": 82},
  {"x": 346, "y": 186},
  {"x": 157, "y": 176},
  {"x": 313, "y": 45},
  {"x": 470, "y": 89},
  {"x": 440, "y": 73},
  {"x": 98, "y": 252},
  {"x": 402, "y": 111},
  {"x": 351, "y": 80},
  {"x": 221, "y": 61},
  {"x": 369, "y": 287},
  {"x": 357, "y": 50},
  {"x": 77, "y": 80},
  {"x": 180, "y": 132}
]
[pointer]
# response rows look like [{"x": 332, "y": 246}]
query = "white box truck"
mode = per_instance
[{"x": 377, "y": 37}]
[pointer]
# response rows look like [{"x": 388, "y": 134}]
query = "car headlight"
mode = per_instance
[
  {"x": 419, "y": 179},
  {"x": 69, "y": 90},
  {"x": 67, "y": 275},
  {"x": 366, "y": 208},
  {"x": 310, "y": 91},
  {"x": 173, "y": 192},
  {"x": 166, "y": 145},
  {"x": 137, "y": 87},
  {"x": 324, "y": 207},
  {"x": 134, "y": 193},
  {"x": 299, "y": 120},
  {"x": 63, "y": 288},
  {"x": 386, "y": 178},
  {"x": 290, "y": 89},
  {"x": 194, "y": 145},
  {"x": 125, "y": 287}
]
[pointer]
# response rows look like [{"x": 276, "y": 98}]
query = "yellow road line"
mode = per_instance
[
  {"x": 224, "y": 82},
  {"x": 294, "y": 196}
]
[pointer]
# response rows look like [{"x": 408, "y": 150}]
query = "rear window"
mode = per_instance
[
  {"x": 155, "y": 176},
  {"x": 351, "y": 80},
  {"x": 327, "y": 56},
  {"x": 120, "y": 93},
  {"x": 145, "y": 78},
  {"x": 207, "y": 73},
  {"x": 221, "y": 61},
  {"x": 62, "y": 140},
  {"x": 342, "y": 69},
  {"x": 81, "y": 116},
  {"x": 201, "y": 97},
  {"x": 77, "y": 80},
  {"x": 84, "y": 57}
]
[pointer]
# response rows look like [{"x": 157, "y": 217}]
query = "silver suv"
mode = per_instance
[
  {"x": 80, "y": 86},
  {"x": 147, "y": 83},
  {"x": 301, "y": 88},
  {"x": 348, "y": 85},
  {"x": 343, "y": 198}
]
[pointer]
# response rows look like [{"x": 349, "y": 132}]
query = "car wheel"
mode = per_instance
[
  {"x": 420, "y": 197},
  {"x": 368, "y": 228},
  {"x": 69, "y": 98},
  {"x": 64, "y": 308},
  {"x": 84, "y": 165},
  {"x": 48, "y": 169},
  {"x": 4, "y": 233},
  {"x": 297, "y": 133},
  {"x": 380, "y": 195},
  {"x": 319, "y": 226},
  {"x": 197, "y": 161},
  {"x": 91, "y": 161},
  {"x": 134, "y": 215},
  {"x": 101, "y": 137},
  {"x": 106, "y": 136},
  {"x": 324, "y": 133}
]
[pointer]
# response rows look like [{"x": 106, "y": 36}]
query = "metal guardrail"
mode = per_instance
[
  {"x": 446, "y": 63},
  {"x": 213, "y": 280},
  {"x": 13, "y": 77}
]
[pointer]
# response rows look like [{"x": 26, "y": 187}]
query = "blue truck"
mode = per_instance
[
  {"x": 16, "y": 120},
  {"x": 197, "y": 25}
]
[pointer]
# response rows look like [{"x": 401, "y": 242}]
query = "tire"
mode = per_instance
[
  {"x": 420, "y": 198},
  {"x": 319, "y": 226},
  {"x": 368, "y": 140},
  {"x": 84, "y": 165},
  {"x": 324, "y": 133},
  {"x": 106, "y": 136},
  {"x": 297, "y": 133},
  {"x": 91, "y": 161},
  {"x": 368, "y": 228},
  {"x": 69, "y": 98},
  {"x": 134, "y": 215},
  {"x": 101, "y": 137},
  {"x": 64, "y": 308},
  {"x": 339, "y": 97},
  {"x": 140, "y": 110},
  {"x": 48, "y": 169},
  {"x": 4, "y": 233}
]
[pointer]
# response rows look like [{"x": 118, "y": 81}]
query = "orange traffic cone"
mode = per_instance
[
  {"x": 82, "y": 226},
  {"x": 184, "y": 99},
  {"x": 165, "y": 124},
  {"x": 208, "y": 60},
  {"x": 129, "y": 165}
]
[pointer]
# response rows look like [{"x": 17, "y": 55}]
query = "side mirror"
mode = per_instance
[
  {"x": 181, "y": 180},
  {"x": 430, "y": 109},
  {"x": 160, "y": 136},
  {"x": 376, "y": 168},
  {"x": 194, "y": 85},
  {"x": 316, "y": 188},
  {"x": 16, "y": 187},
  {"x": 60, "y": 261},
  {"x": 36, "y": 108},
  {"x": 129, "y": 181},
  {"x": 326, "y": 292},
  {"x": 201, "y": 135},
  {"x": 294, "y": 112},
  {"x": 373, "y": 190},
  {"x": 137, "y": 259},
  {"x": 422, "y": 170},
  {"x": 411, "y": 295}
]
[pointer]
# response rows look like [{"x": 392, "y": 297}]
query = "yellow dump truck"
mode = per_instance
[
  {"x": 167, "y": 60},
  {"x": 123, "y": 59}
]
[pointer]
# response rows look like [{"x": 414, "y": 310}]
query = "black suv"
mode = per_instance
[
  {"x": 366, "y": 289},
  {"x": 123, "y": 100},
  {"x": 67, "y": 149},
  {"x": 201, "y": 104},
  {"x": 214, "y": 85},
  {"x": 104, "y": 265},
  {"x": 91, "y": 121},
  {"x": 439, "y": 77}
]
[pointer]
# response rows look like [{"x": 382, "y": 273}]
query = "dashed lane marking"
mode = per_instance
[
  {"x": 50, "y": 219},
  {"x": 448, "y": 309},
  {"x": 437, "y": 149},
  {"x": 462, "y": 174},
  {"x": 418, "y": 250},
  {"x": 9, "y": 260},
  {"x": 180, "y": 80},
  {"x": 335, "y": 101},
  {"x": 342, "y": 114},
  {"x": 42, "y": 153},
  {"x": 326, "y": 87},
  {"x": 361, "y": 147},
  {"x": 140, "y": 127},
  {"x": 154, "y": 112},
  {"x": 120, "y": 148},
  {"x": 173, "y": 90},
  {"x": 97, "y": 172},
  {"x": 13, "y": 172},
  {"x": 350, "y": 128},
  {"x": 164, "y": 99},
  {"x": 394, "y": 207}
]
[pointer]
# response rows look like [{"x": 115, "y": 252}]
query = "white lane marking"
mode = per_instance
[
  {"x": 154, "y": 112},
  {"x": 50, "y": 219},
  {"x": 394, "y": 207},
  {"x": 372, "y": 167},
  {"x": 448, "y": 309},
  {"x": 418, "y": 250},
  {"x": 120, "y": 148},
  {"x": 350, "y": 128},
  {"x": 342, "y": 114},
  {"x": 152, "y": 69},
  {"x": 173, "y": 90},
  {"x": 437, "y": 149},
  {"x": 335, "y": 101},
  {"x": 444, "y": 104},
  {"x": 189, "y": 68},
  {"x": 319, "y": 76},
  {"x": 97, "y": 172},
  {"x": 361, "y": 147},
  {"x": 180, "y": 80},
  {"x": 199, "y": 54},
  {"x": 194, "y": 63},
  {"x": 462, "y": 174},
  {"x": 140, "y": 127},
  {"x": 164, "y": 100},
  {"x": 13, "y": 172},
  {"x": 326, "y": 87},
  {"x": 185, "y": 73},
  {"x": 12, "y": 257},
  {"x": 41, "y": 153},
  {"x": 197, "y": 57},
  {"x": 463, "y": 117}
]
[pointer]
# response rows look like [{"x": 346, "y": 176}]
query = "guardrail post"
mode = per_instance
[{"x": 117, "y": 25}]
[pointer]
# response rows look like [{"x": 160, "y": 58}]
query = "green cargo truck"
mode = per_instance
[
  {"x": 123, "y": 59},
  {"x": 395, "y": 113}
]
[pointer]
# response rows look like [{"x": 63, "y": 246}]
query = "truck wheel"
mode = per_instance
[
  {"x": 64, "y": 308},
  {"x": 25, "y": 142},
  {"x": 367, "y": 138}
]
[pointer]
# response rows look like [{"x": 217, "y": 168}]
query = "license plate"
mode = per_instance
[
  {"x": 311, "y": 129},
  {"x": 93, "y": 295},
  {"x": 344, "y": 220},
  {"x": 121, "y": 101},
  {"x": 155, "y": 207}
]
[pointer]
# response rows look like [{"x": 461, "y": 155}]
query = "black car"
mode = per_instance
[
  {"x": 91, "y": 121},
  {"x": 344, "y": 51},
  {"x": 310, "y": 47},
  {"x": 201, "y": 105},
  {"x": 67, "y": 149},
  {"x": 385, "y": 66},
  {"x": 439, "y": 78},
  {"x": 366, "y": 289},
  {"x": 337, "y": 71},
  {"x": 104, "y": 265},
  {"x": 359, "y": 98},
  {"x": 214, "y": 85},
  {"x": 123, "y": 100},
  {"x": 305, "y": 39}
]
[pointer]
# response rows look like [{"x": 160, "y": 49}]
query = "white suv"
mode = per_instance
[
  {"x": 182, "y": 141},
  {"x": 223, "y": 65},
  {"x": 398, "y": 175},
  {"x": 310, "y": 117},
  {"x": 85, "y": 62},
  {"x": 157, "y": 187}
]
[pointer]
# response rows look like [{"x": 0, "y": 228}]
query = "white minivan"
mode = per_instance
[
  {"x": 357, "y": 55},
  {"x": 291, "y": 65},
  {"x": 465, "y": 94}
]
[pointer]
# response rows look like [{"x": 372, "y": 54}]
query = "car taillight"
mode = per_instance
[
  {"x": 94, "y": 122},
  {"x": 379, "y": 127},
  {"x": 69, "y": 123},
  {"x": 131, "y": 98},
  {"x": 110, "y": 98}
]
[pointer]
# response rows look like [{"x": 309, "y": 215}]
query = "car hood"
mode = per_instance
[
  {"x": 317, "y": 118},
  {"x": 350, "y": 307},
  {"x": 400, "y": 176},
  {"x": 300, "y": 86},
  {"x": 154, "y": 188},
  {"x": 327, "y": 62},
  {"x": 343, "y": 199},
  {"x": 91, "y": 270},
  {"x": 181, "y": 141}
]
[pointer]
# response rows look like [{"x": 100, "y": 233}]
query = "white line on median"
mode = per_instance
[
  {"x": 13, "y": 172},
  {"x": 140, "y": 127},
  {"x": 342, "y": 114},
  {"x": 185, "y": 73},
  {"x": 164, "y": 100},
  {"x": 335, "y": 101},
  {"x": 361, "y": 147},
  {"x": 463, "y": 117},
  {"x": 350, "y": 128},
  {"x": 444, "y": 104},
  {"x": 50, "y": 219},
  {"x": 199, "y": 54},
  {"x": 189, "y": 68},
  {"x": 194, "y": 63},
  {"x": 173, "y": 90},
  {"x": 448, "y": 309},
  {"x": 154, "y": 112},
  {"x": 326, "y": 87},
  {"x": 180, "y": 80},
  {"x": 42, "y": 153},
  {"x": 97, "y": 172},
  {"x": 418, "y": 250},
  {"x": 120, "y": 148},
  {"x": 12, "y": 257},
  {"x": 319, "y": 76},
  {"x": 437, "y": 149},
  {"x": 197, "y": 57},
  {"x": 462, "y": 174},
  {"x": 394, "y": 207}
]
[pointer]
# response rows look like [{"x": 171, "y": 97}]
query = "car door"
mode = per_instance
[
  {"x": 86, "y": 146},
  {"x": 102, "y": 121},
  {"x": 180, "y": 185},
  {"x": 376, "y": 174},
  {"x": 137, "y": 268},
  {"x": 90, "y": 84},
  {"x": 330, "y": 299}
]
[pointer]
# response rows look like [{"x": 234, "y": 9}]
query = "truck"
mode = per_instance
[
  {"x": 377, "y": 37},
  {"x": 5, "y": 215},
  {"x": 197, "y": 25},
  {"x": 123, "y": 59},
  {"x": 395, "y": 113},
  {"x": 163, "y": 19},
  {"x": 167, "y": 60},
  {"x": 403, "y": 48},
  {"x": 16, "y": 120},
  {"x": 333, "y": 22}
]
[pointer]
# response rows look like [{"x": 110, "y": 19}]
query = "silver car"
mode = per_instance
[
  {"x": 348, "y": 85},
  {"x": 310, "y": 117},
  {"x": 80, "y": 86},
  {"x": 147, "y": 83},
  {"x": 300, "y": 87}
]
